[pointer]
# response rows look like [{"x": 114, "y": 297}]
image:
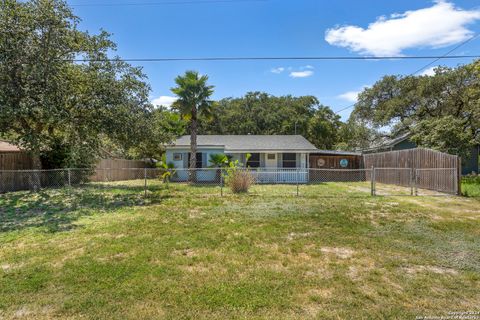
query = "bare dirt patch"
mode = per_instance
[
  {"x": 342, "y": 253},
  {"x": 294, "y": 235},
  {"x": 195, "y": 269},
  {"x": 190, "y": 253},
  {"x": 432, "y": 269},
  {"x": 69, "y": 255}
]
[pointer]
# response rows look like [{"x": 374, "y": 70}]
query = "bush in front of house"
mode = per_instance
[
  {"x": 239, "y": 181},
  {"x": 237, "y": 178}
]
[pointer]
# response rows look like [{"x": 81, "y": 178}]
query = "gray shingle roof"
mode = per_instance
[
  {"x": 250, "y": 142},
  {"x": 386, "y": 142}
]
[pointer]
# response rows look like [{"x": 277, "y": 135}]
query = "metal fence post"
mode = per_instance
[
  {"x": 412, "y": 173},
  {"x": 69, "y": 177},
  {"x": 145, "y": 177},
  {"x": 373, "y": 191},
  {"x": 297, "y": 181},
  {"x": 221, "y": 183},
  {"x": 458, "y": 176},
  {"x": 416, "y": 182}
]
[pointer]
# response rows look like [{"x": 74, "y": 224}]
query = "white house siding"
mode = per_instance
[
  {"x": 263, "y": 175},
  {"x": 205, "y": 174}
]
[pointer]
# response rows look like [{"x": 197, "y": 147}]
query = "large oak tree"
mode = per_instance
[
  {"x": 50, "y": 101},
  {"x": 441, "y": 111}
]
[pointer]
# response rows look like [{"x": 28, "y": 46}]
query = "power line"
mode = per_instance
[
  {"x": 132, "y": 4},
  {"x": 279, "y": 58},
  {"x": 444, "y": 56}
]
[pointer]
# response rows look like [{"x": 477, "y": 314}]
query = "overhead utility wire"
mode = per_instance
[
  {"x": 132, "y": 4},
  {"x": 445, "y": 56},
  {"x": 280, "y": 58}
]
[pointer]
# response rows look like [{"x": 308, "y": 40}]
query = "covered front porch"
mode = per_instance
[
  {"x": 275, "y": 167},
  {"x": 266, "y": 167}
]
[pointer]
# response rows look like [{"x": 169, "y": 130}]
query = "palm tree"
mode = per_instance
[
  {"x": 219, "y": 161},
  {"x": 193, "y": 98}
]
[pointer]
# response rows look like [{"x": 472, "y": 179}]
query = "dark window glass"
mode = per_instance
[
  {"x": 289, "y": 160},
  {"x": 254, "y": 161},
  {"x": 199, "y": 159}
]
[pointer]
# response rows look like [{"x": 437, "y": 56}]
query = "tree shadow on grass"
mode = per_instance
[{"x": 57, "y": 210}]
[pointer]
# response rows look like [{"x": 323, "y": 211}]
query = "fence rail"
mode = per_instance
[{"x": 378, "y": 180}]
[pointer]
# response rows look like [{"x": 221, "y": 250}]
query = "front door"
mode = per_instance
[{"x": 270, "y": 160}]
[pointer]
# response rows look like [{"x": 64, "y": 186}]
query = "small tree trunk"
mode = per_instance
[
  {"x": 193, "y": 146},
  {"x": 34, "y": 178}
]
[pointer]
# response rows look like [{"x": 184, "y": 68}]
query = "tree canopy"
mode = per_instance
[
  {"x": 49, "y": 102},
  {"x": 261, "y": 113},
  {"x": 441, "y": 111}
]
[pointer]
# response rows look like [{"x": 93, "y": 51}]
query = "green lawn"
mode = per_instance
[
  {"x": 333, "y": 252},
  {"x": 471, "y": 186}
]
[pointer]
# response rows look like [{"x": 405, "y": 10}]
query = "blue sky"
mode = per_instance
[{"x": 284, "y": 28}]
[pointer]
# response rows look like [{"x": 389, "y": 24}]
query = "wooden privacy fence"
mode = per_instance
[
  {"x": 426, "y": 169},
  {"x": 16, "y": 172},
  {"x": 15, "y": 161},
  {"x": 116, "y": 170}
]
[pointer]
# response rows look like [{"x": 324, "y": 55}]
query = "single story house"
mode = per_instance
[
  {"x": 274, "y": 158},
  {"x": 403, "y": 142}
]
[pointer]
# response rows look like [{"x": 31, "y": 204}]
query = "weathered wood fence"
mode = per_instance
[
  {"x": 15, "y": 161},
  {"x": 429, "y": 169},
  {"x": 15, "y": 174},
  {"x": 118, "y": 170}
]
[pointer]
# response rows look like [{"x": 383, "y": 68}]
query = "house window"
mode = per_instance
[
  {"x": 199, "y": 161},
  {"x": 289, "y": 160},
  {"x": 177, "y": 156},
  {"x": 254, "y": 160},
  {"x": 271, "y": 156}
]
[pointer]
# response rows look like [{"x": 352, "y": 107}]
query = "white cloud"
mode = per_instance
[
  {"x": 166, "y": 101},
  {"x": 438, "y": 26},
  {"x": 350, "y": 96},
  {"x": 277, "y": 70},
  {"x": 428, "y": 72},
  {"x": 301, "y": 74}
]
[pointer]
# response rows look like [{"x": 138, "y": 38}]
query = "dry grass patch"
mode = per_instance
[
  {"x": 342, "y": 253},
  {"x": 413, "y": 270}
]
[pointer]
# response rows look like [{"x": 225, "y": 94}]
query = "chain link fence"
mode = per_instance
[
  {"x": 436, "y": 181},
  {"x": 394, "y": 181},
  {"x": 145, "y": 182}
]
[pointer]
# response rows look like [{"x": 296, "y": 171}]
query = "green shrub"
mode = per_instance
[{"x": 471, "y": 186}]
